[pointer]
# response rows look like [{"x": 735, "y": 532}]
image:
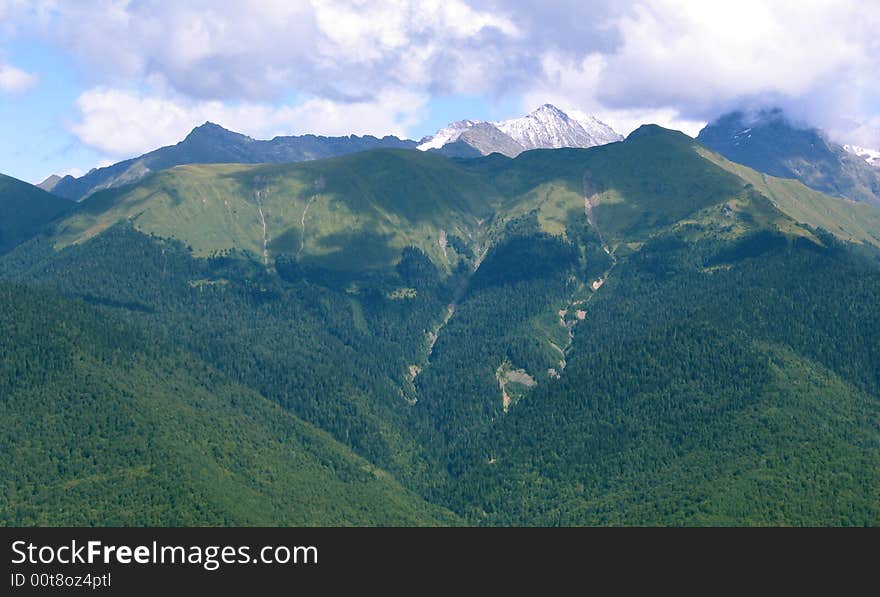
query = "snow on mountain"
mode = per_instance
[
  {"x": 449, "y": 134},
  {"x": 872, "y": 156},
  {"x": 600, "y": 132},
  {"x": 550, "y": 127}
]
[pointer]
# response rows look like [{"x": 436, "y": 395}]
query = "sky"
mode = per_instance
[{"x": 85, "y": 83}]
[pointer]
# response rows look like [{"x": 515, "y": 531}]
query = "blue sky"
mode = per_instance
[
  {"x": 36, "y": 139},
  {"x": 89, "y": 82}
]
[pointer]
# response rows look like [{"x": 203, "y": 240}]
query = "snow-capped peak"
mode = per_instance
[
  {"x": 448, "y": 134},
  {"x": 872, "y": 156},
  {"x": 547, "y": 127},
  {"x": 550, "y": 127}
]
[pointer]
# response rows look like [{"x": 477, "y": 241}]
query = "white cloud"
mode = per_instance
[
  {"x": 123, "y": 123},
  {"x": 816, "y": 59},
  {"x": 627, "y": 120},
  {"x": 256, "y": 49},
  {"x": 679, "y": 61},
  {"x": 14, "y": 80},
  {"x": 863, "y": 134},
  {"x": 572, "y": 86},
  {"x": 700, "y": 54}
]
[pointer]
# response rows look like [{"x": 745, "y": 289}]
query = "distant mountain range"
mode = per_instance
[
  {"x": 770, "y": 142},
  {"x": 767, "y": 141},
  {"x": 212, "y": 144},
  {"x": 547, "y": 127}
]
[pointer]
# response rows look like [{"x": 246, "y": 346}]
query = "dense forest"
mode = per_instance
[
  {"x": 743, "y": 395},
  {"x": 108, "y": 424}
]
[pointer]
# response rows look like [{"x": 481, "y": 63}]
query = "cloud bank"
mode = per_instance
[
  {"x": 334, "y": 66},
  {"x": 119, "y": 122}
]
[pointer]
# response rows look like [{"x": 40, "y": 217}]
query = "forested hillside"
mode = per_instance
[
  {"x": 108, "y": 424},
  {"x": 745, "y": 392}
]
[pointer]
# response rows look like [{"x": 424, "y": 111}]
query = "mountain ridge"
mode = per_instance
[
  {"x": 370, "y": 195},
  {"x": 211, "y": 143},
  {"x": 770, "y": 142},
  {"x": 546, "y": 127}
]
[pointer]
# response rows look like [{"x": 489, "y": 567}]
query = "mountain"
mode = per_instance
[
  {"x": 49, "y": 183},
  {"x": 212, "y": 144},
  {"x": 872, "y": 156},
  {"x": 447, "y": 134},
  {"x": 356, "y": 213},
  {"x": 349, "y": 214},
  {"x": 641, "y": 333},
  {"x": 769, "y": 142},
  {"x": 547, "y": 127},
  {"x": 25, "y": 210},
  {"x": 482, "y": 138},
  {"x": 469, "y": 139}
]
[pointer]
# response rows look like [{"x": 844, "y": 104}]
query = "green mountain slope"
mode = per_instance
[
  {"x": 848, "y": 220},
  {"x": 106, "y": 425},
  {"x": 212, "y": 144},
  {"x": 358, "y": 212},
  {"x": 348, "y": 214},
  {"x": 25, "y": 210}
]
